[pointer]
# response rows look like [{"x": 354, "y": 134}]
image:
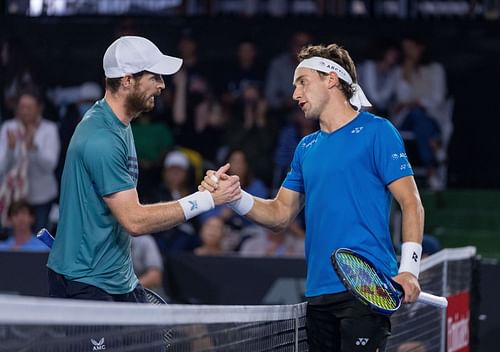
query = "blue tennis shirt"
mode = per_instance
[{"x": 344, "y": 176}]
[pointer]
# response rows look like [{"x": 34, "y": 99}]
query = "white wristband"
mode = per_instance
[
  {"x": 196, "y": 203},
  {"x": 411, "y": 253},
  {"x": 243, "y": 205}
]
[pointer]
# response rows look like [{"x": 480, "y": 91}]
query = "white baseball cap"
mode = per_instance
[
  {"x": 131, "y": 54},
  {"x": 176, "y": 158}
]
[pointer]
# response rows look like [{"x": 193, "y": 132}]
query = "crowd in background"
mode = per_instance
[{"x": 243, "y": 114}]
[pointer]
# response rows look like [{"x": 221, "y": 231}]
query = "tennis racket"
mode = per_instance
[
  {"x": 372, "y": 287},
  {"x": 153, "y": 297}
]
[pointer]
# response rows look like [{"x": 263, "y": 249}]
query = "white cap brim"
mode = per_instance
[{"x": 166, "y": 65}]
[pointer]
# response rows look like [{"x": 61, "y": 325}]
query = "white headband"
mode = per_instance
[{"x": 325, "y": 65}]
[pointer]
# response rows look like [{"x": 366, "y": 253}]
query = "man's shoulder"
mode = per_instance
[
  {"x": 308, "y": 139},
  {"x": 375, "y": 121}
]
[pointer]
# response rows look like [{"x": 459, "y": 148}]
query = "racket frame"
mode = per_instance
[{"x": 392, "y": 287}]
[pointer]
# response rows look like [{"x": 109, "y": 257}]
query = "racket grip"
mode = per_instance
[
  {"x": 45, "y": 236},
  {"x": 436, "y": 301}
]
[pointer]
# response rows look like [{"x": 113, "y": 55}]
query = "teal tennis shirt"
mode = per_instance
[
  {"x": 91, "y": 246},
  {"x": 345, "y": 176}
]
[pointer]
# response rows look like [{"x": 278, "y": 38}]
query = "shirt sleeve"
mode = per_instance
[
  {"x": 294, "y": 179},
  {"x": 391, "y": 161},
  {"x": 106, "y": 160}
]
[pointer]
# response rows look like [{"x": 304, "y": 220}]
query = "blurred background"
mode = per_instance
[{"x": 231, "y": 101}]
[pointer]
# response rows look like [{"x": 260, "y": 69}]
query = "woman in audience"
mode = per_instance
[{"x": 29, "y": 152}]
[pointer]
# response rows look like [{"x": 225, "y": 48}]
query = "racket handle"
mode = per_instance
[
  {"x": 45, "y": 236},
  {"x": 436, "y": 301}
]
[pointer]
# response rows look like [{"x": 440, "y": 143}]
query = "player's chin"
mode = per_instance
[{"x": 150, "y": 105}]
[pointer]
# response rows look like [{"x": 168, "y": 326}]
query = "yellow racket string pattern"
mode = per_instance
[{"x": 365, "y": 281}]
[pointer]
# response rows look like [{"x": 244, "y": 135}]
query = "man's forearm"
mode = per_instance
[
  {"x": 153, "y": 218},
  {"x": 413, "y": 222},
  {"x": 268, "y": 213}
]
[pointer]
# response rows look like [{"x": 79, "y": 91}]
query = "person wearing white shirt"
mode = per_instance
[
  {"x": 421, "y": 96},
  {"x": 30, "y": 144},
  {"x": 378, "y": 76}
]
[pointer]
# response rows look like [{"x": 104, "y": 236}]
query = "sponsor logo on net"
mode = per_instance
[{"x": 98, "y": 345}]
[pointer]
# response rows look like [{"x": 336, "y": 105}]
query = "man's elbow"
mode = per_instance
[
  {"x": 133, "y": 226},
  {"x": 281, "y": 225}
]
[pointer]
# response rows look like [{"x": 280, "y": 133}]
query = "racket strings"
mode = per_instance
[{"x": 366, "y": 282}]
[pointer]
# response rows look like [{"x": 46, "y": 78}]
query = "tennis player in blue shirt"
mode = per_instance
[{"x": 345, "y": 175}]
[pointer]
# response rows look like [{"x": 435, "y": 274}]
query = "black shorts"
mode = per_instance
[
  {"x": 340, "y": 323},
  {"x": 60, "y": 287}
]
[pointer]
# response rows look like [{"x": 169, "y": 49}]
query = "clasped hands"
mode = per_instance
[{"x": 223, "y": 187}]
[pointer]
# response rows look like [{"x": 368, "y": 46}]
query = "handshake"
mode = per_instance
[
  {"x": 217, "y": 188},
  {"x": 223, "y": 188}
]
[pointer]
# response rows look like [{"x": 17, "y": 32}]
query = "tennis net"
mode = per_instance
[{"x": 44, "y": 324}]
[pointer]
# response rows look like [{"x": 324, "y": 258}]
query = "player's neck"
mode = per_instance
[
  {"x": 117, "y": 104},
  {"x": 336, "y": 115}
]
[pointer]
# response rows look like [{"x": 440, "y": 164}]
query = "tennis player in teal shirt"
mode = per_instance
[
  {"x": 345, "y": 175},
  {"x": 99, "y": 206}
]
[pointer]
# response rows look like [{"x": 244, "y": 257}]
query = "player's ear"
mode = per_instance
[
  {"x": 333, "y": 80},
  {"x": 126, "y": 81}
]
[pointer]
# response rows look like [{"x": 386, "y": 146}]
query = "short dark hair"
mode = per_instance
[
  {"x": 19, "y": 206},
  {"x": 113, "y": 84}
]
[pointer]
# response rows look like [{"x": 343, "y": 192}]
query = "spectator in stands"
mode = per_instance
[
  {"x": 148, "y": 263},
  {"x": 18, "y": 73},
  {"x": 269, "y": 243},
  {"x": 212, "y": 234},
  {"x": 195, "y": 109},
  {"x": 239, "y": 228},
  {"x": 21, "y": 219},
  {"x": 250, "y": 129},
  {"x": 245, "y": 72},
  {"x": 420, "y": 98},
  {"x": 178, "y": 182},
  {"x": 152, "y": 139},
  {"x": 378, "y": 75},
  {"x": 241, "y": 166},
  {"x": 29, "y": 151},
  {"x": 278, "y": 90}
]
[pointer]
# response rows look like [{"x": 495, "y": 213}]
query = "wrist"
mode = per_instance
[
  {"x": 196, "y": 203},
  {"x": 243, "y": 205},
  {"x": 411, "y": 253}
]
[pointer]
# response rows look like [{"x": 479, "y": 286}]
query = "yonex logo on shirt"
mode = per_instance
[{"x": 357, "y": 129}]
